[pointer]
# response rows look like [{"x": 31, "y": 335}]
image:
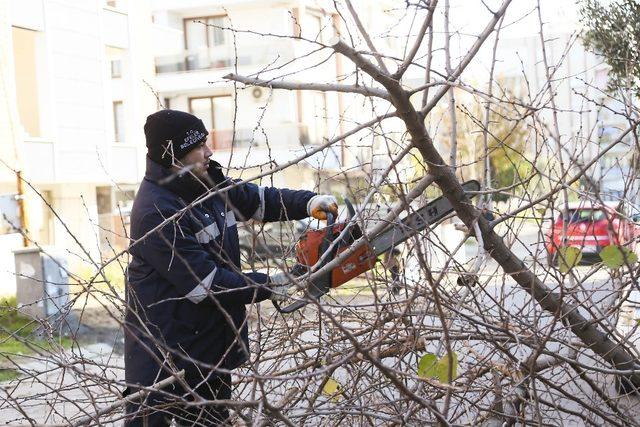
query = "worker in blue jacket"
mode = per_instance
[{"x": 185, "y": 292}]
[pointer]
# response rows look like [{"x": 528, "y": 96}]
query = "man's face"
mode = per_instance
[{"x": 199, "y": 158}]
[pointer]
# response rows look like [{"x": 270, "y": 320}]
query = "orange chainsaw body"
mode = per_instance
[{"x": 363, "y": 259}]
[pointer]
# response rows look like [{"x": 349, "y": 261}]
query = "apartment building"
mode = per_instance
[
  {"x": 588, "y": 119},
  {"x": 72, "y": 105},
  {"x": 255, "y": 128},
  {"x": 250, "y": 127}
]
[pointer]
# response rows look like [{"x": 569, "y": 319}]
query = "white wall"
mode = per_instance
[
  {"x": 9, "y": 122},
  {"x": 76, "y": 108},
  {"x": 76, "y": 151}
]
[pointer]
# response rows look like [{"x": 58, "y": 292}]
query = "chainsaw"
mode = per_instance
[{"x": 313, "y": 244}]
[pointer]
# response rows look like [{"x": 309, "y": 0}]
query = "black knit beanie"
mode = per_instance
[{"x": 172, "y": 134}]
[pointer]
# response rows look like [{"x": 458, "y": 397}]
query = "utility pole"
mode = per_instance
[{"x": 21, "y": 209}]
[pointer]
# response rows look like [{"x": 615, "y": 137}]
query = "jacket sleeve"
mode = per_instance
[
  {"x": 175, "y": 253},
  {"x": 270, "y": 204}
]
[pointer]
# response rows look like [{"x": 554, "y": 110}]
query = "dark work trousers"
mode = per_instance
[{"x": 159, "y": 409}]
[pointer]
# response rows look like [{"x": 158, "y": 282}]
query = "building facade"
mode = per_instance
[
  {"x": 588, "y": 118},
  {"x": 252, "y": 128},
  {"x": 73, "y": 103}
]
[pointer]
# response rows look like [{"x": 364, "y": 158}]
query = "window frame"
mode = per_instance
[
  {"x": 207, "y": 28},
  {"x": 212, "y": 109},
  {"x": 118, "y": 74},
  {"x": 210, "y": 98}
]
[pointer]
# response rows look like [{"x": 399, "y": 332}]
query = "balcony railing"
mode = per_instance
[
  {"x": 282, "y": 143},
  {"x": 221, "y": 57},
  {"x": 205, "y": 59},
  {"x": 283, "y": 136}
]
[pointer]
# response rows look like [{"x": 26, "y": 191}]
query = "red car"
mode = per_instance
[{"x": 590, "y": 227}]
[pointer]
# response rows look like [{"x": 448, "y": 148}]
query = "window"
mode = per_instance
[
  {"x": 124, "y": 198},
  {"x": 103, "y": 200},
  {"x": 114, "y": 212},
  {"x": 206, "y": 43},
  {"x": 116, "y": 68},
  {"x": 118, "y": 121},
  {"x": 216, "y": 112},
  {"x": 207, "y": 32},
  {"x": 105, "y": 217},
  {"x": 586, "y": 215},
  {"x": 315, "y": 116},
  {"x": 318, "y": 27},
  {"x": 25, "y": 48}
]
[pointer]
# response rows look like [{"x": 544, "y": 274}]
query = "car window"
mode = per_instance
[{"x": 583, "y": 215}]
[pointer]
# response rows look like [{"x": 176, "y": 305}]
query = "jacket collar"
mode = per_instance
[
  {"x": 155, "y": 172},
  {"x": 185, "y": 186}
]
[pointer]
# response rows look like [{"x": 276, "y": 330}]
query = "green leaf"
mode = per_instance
[
  {"x": 568, "y": 257},
  {"x": 333, "y": 389},
  {"x": 427, "y": 366},
  {"x": 613, "y": 256},
  {"x": 430, "y": 367},
  {"x": 443, "y": 367}
]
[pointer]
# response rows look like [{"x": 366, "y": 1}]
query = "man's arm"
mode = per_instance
[
  {"x": 175, "y": 253},
  {"x": 269, "y": 204}
]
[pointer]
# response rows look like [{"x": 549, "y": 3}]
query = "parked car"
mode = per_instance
[{"x": 590, "y": 227}]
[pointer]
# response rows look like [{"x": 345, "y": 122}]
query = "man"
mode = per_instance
[{"x": 186, "y": 295}]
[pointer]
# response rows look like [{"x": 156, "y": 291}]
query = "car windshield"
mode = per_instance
[{"x": 584, "y": 215}]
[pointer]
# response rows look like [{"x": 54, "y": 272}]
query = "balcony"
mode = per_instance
[
  {"x": 115, "y": 28},
  {"x": 223, "y": 57},
  {"x": 27, "y": 14},
  {"x": 202, "y": 59},
  {"x": 124, "y": 163},
  {"x": 274, "y": 137},
  {"x": 281, "y": 143}
]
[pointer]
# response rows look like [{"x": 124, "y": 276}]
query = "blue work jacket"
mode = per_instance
[{"x": 185, "y": 292}]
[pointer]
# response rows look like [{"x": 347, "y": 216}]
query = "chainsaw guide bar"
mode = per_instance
[{"x": 417, "y": 221}]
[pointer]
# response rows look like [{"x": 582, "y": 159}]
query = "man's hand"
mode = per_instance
[
  {"x": 319, "y": 205},
  {"x": 280, "y": 285}
]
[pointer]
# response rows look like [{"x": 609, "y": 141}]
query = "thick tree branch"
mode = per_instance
[{"x": 322, "y": 87}]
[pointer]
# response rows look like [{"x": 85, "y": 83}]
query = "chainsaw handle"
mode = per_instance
[
  {"x": 328, "y": 239},
  {"x": 289, "y": 308},
  {"x": 350, "y": 208}
]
